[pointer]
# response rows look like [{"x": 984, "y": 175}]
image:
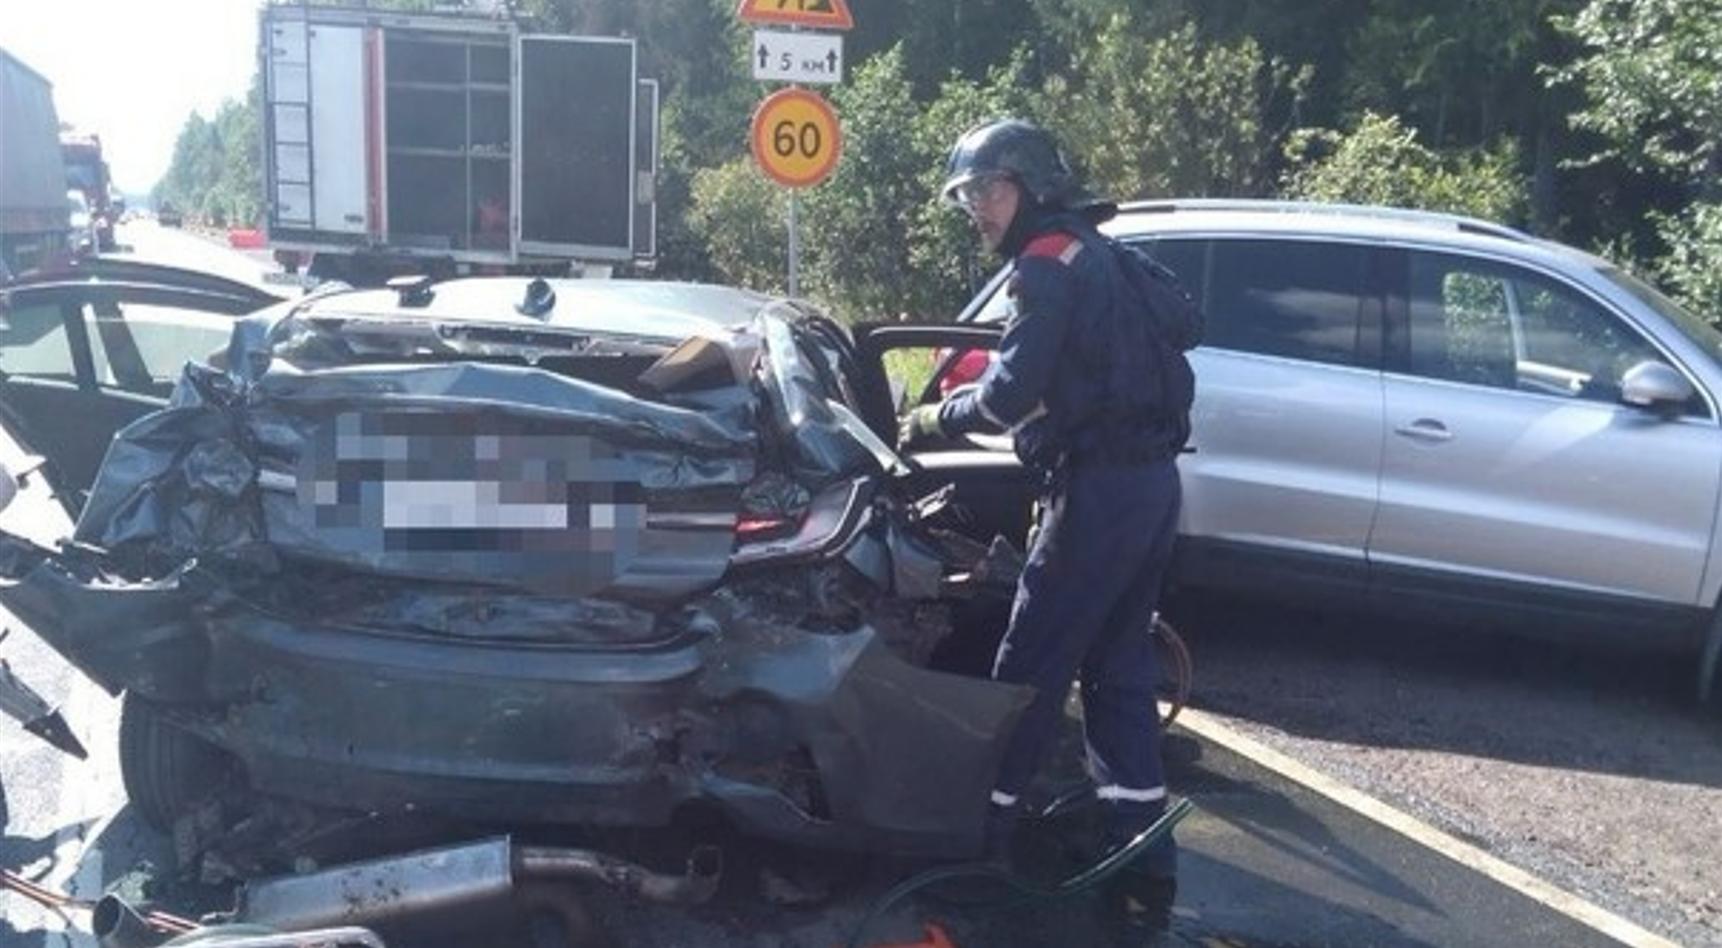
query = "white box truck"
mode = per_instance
[{"x": 445, "y": 143}]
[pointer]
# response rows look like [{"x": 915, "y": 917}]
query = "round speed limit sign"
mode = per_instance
[{"x": 796, "y": 138}]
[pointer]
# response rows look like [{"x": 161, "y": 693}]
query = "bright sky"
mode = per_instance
[{"x": 132, "y": 71}]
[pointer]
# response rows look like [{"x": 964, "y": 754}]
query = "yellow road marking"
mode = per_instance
[{"x": 1587, "y": 913}]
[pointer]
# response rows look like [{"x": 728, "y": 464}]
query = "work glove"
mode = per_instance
[{"x": 917, "y": 425}]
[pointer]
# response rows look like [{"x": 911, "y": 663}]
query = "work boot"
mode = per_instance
[{"x": 1136, "y": 909}]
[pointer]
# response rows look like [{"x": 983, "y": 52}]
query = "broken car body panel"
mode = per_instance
[{"x": 496, "y": 568}]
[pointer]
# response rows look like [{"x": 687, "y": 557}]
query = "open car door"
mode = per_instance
[
  {"x": 910, "y": 364},
  {"x": 86, "y": 352}
]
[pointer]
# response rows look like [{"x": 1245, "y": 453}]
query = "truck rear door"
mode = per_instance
[
  {"x": 577, "y": 168},
  {"x": 315, "y": 88}
]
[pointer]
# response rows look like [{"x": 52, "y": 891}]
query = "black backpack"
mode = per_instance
[
  {"x": 1175, "y": 326},
  {"x": 1178, "y": 321}
]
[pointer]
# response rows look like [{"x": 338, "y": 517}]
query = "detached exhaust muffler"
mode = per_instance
[
  {"x": 456, "y": 877},
  {"x": 116, "y": 924}
]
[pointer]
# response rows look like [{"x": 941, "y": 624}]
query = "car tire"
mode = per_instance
[{"x": 166, "y": 770}]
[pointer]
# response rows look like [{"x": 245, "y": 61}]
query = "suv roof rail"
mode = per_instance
[{"x": 1458, "y": 222}]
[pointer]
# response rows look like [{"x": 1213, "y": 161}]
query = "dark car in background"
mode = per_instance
[{"x": 169, "y": 216}]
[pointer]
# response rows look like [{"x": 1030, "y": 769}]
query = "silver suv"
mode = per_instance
[{"x": 1420, "y": 410}]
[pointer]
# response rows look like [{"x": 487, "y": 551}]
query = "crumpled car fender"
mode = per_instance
[{"x": 906, "y": 756}]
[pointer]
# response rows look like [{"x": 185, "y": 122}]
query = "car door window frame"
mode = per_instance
[
  {"x": 77, "y": 356},
  {"x": 1398, "y": 341},
  {"x": 79, "y": 303}
]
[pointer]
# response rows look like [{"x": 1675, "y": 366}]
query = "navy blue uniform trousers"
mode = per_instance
[{"x": 1084, "y": 607}]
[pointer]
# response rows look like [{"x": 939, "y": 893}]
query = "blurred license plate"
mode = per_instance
[{"x": 421, "y": 481}]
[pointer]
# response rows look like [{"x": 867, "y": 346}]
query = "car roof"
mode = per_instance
[
  {"x": 667, "y": 310},
  {"x": 1362, "y": 222}
]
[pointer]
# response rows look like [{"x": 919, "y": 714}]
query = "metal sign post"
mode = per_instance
[{"x": 794, "y": 251}]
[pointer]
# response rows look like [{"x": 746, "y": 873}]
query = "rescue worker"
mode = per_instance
[{"x": 1075, "y": 387}]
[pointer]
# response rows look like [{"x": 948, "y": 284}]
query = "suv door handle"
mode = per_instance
[{"x": 1425, "y": 429}]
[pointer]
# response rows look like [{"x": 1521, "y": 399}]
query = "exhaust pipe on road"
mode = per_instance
[
  {"x": 117, "y": 925},
  {"x": 453, "y": 877}
]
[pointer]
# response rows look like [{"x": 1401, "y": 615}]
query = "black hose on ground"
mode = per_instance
[{"x": 1093, "y": 875}]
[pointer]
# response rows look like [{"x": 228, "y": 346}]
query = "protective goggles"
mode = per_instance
[{"x": 969, "y": 193}]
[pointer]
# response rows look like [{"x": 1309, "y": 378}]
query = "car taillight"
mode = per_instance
[
  {"x": 753, "y": 529},
  {"x": 832, "y": 518}
]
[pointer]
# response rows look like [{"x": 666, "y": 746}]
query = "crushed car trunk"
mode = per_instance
[{"x": 464, "y": 472}]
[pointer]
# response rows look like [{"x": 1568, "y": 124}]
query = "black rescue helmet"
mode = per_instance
[{"x": 1027, "y": 154}]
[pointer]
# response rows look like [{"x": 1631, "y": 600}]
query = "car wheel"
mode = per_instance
[{"x": 166, "y": 770}]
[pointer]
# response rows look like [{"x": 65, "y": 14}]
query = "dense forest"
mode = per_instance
[{"x": 1593, "y": 122}]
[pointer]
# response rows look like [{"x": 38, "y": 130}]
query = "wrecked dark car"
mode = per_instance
[{"x": 567, "y": 552}]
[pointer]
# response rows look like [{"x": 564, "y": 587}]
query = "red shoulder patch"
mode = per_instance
[{"x": 1058, "y": 245}]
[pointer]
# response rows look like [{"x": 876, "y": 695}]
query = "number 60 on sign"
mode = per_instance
[{"x": 796, "y": 138}]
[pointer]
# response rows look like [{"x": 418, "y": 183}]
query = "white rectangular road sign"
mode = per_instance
[{"x": 797, "y": 57}]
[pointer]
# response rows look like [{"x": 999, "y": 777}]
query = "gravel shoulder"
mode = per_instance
[{"x": 1590, "y": 769}]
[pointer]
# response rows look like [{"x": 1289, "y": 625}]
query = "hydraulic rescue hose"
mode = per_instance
[{"x": 1094, "y": 874}]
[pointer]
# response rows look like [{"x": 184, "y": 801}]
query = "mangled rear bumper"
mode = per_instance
[{"x": 816, "y": 737}]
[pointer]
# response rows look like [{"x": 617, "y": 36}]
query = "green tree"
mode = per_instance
[
  {"x": 215, "y": 172},
  {"x": 237, "y": 196},
  {"x": 1172, "y": 116},
  {"x": 743, "y": 221},
  {"x": 1381, "y": 162},
  {"x": 1692, "y": 268},
  {"x": 1463, "y": 72},
  {"x": 196, "y": 162},
  {"x": 1652, "y": 74},
  {"x": 856, "y": 224}
]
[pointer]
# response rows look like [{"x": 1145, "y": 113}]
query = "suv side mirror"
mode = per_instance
[{"x": 1655, "y": 386}]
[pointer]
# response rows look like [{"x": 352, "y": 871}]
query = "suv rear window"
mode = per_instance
[
  {"x": 1299, "y": 299},
  {"x": 1293, "y": 298}
]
